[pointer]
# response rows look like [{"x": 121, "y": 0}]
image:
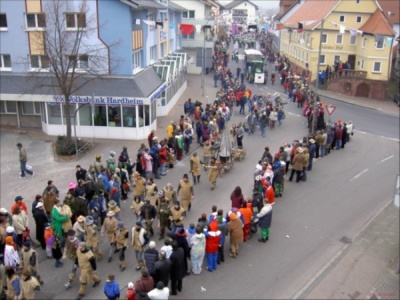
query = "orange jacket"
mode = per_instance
[{"x": 247, "y": 213}]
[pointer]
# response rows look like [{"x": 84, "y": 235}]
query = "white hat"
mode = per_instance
[
  {"x": 152, "y": 244},
  {"x": 10, "y": 229},
  {"x": 3, "y": 210},
  {"x": 40, "y": 204},
  {"x": 130, "y": 285}
]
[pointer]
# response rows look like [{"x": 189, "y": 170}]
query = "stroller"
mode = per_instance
[{"x": 253, "y": 226}]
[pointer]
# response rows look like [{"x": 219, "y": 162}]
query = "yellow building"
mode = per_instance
[{"x": 350, "y": 34}]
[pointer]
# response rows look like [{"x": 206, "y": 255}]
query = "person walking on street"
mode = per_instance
[
  {"x": 71, "y": 246},
  {"x": 177, "y": 216},
  {"x": 213, "y": 172},
  {"x": 195, "y": 163},
  {"x": 23, "y": 159},
  {"x": 29, "y": 285},
  {"x": 163, "y": 214},
  {"x": 148, "y": 214},
  {"x": 111, "y": 288},
  {"x": 110, "y": 226},
  {"x": 185, "y": 192},
  {"x": 87, "y": 264},
  {"x": 30, "y": 260},
  {"x": 121, "y": 240},
  {"x": 139, "y": 242},
  {"x": 92, "y": 238}
]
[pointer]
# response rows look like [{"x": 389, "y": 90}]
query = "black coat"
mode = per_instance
[
  {"x": 183, "y": 243},
  {"x": 177, "y": 258},
  {"x": 161, "y": 272},
  {"x": 40, "y": 219},
  {"x": 150, "y": 257}
]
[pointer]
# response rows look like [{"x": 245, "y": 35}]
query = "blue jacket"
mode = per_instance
[{"x": 111, "y": 289}]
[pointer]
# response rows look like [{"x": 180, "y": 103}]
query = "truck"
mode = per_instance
[{"x": 254, "y": 61}]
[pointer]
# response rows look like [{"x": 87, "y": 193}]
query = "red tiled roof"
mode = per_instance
[
  {"x": 377, "y": 24},
  {"x": 391, "y": 9},
  {"x": 311, "y": 10}
]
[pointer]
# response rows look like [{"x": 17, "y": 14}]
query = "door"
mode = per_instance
[
  {"x": 351, "y": 59},
  {"x": 362, "y": 90}
]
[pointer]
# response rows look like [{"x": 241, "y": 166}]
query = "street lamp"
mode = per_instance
[{"x": 203, "y": 62}]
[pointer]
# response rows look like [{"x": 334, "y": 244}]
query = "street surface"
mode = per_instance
[{"x": 343, "y": 192}]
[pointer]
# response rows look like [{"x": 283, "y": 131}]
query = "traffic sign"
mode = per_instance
[{"x": 330, "y": 109}]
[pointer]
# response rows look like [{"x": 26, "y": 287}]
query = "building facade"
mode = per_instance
[
  {"x": 242, "y": 12},
  {"x": 354, "y": 33},
  {"x": 129, "y": 67}
]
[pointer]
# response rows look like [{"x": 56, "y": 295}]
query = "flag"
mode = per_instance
[
  {"x": 171, "y": 25},
  {"x": 198, "y": 28},
  {"x": 150, "y": 23},
  {"x": 187, "y": 28},
  {"x": 342, "y": 29},
  {"x": 136, "y": 21},
  {"x": 353, "y": 32}
]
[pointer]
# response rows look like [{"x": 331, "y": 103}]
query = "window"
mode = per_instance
[
  {"x": 353, "y": 39},
  {"x": 357, "y": 1},
  {"x": 137, "y": 60},
  {"x": 31, "y": 108},
  {"x": 114, "y": 115},
  {"x": 129, "y": 116},
  {"x": 377, "y": 67},
  {"x": 80, "y": 62},
  {"x": 5, "y": 62},
  {"x": 379, "y": 44},
  {"x": 75, "y": 21},
  {"x": 324, "y": 38},
  {"x": 341, "y": 19},
  {"x": 36, "y": 21},
  {"x": 85, "y": 115},
  {"x": 3, "y": 22},
  {"x": 54, "y": 113},
  {"x": 152, "y": 18},
  {"x": 358, "y": 19},
  {"x": 362, "y": 65},
  {"x": 322, "y": 59},
  {"x": 153, "y": 53},
  {"x": 190, "y": 14},
  {"x": 100, "y": 115},
  {"x": 8, "y": 107},
  {"x": 39, "y": 62},
  {"x": 336, "y": 59},
  {"x": 188, "y": 36},
  {"x": 339, "y": 39},
  {"x": 364, "y": 41}
]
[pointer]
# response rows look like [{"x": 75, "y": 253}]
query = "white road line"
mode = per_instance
[
  {"x": 388, "y": 138},
  {"x": 363, "y": 132},
  {"x": 385, "y": 159},
  {"x": 359, "y": 174},
  {"x": 297, "y": 115}
]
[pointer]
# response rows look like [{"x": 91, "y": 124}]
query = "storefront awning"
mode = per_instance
[{"x": 142, "y": 85}]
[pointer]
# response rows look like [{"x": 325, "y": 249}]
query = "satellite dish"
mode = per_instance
[{"x": 301, "y": 41}]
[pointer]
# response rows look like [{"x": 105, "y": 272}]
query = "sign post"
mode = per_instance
[{"x": 330, "y": 109}]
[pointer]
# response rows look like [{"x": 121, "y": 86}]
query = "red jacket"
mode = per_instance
[{"x": 213, "y": 238}]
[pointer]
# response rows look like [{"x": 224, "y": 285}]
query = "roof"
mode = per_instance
[
  {"x": 175, "y": 6},
  {"x": 141, "y": 85},
  {"x": 308, "y": 15},
  {"x": 285, "y": 7},
  {"x": 391, "y": 9},
  {"x": 235, "y": 3},
  {"x": 149, "y": 4},
  {"x": 378, "y": 24}
]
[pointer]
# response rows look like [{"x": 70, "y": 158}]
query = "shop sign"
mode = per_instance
[{"x": 100, "y": 100}]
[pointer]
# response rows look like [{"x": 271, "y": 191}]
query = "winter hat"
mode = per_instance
[
  {"x": 160, "y": 285},
  {"x": 232, "y": 216},
  {"x": 71, "y": 232},
  {"x": 213, "y": 226},
  {"x": 120, "y": 224},
  {"x": 89, "y": 221},
  {"x": 130, "y": 285},
  {"x": 27, "y": 244},
  {"x": 152, "y": 244},
  {"x": 111, "y": 276},
  {"x": 10, "y": 229},
  {"x": 18, "y": 198},
  {"x": 72, "y": 185},
  {"x": 8, "y": 240}
]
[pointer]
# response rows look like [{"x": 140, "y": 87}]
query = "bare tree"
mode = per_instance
[{"x": 71, "y": 55}]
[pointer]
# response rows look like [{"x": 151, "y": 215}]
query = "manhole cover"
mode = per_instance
[{"x": 346, "y": 240}]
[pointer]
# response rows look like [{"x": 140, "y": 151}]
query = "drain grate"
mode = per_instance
[{"x": 346, "y": 240}]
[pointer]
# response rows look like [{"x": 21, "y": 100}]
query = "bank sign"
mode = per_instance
[{"x": 100, "y": 100}]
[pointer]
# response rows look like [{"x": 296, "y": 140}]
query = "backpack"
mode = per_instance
[{"x": 111, "y": 167}]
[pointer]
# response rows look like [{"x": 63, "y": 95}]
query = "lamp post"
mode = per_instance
[{"x": 203, "y": 62}]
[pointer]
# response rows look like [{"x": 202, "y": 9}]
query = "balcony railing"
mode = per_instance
[{"x": 333, "y": 76}]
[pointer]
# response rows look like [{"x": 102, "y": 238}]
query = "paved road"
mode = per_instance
[{"x": 343, "y": 192}]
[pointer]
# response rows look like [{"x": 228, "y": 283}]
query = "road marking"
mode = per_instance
[
  {"x": 385, "y": 159},
  {"x": 363, "y": 132},
  {"x": 297, "y": 115},
  {"x": 388, "y": 138},
  {"x": 359, "y": 174}
]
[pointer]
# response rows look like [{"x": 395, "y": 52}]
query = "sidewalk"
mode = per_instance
[{"x": 366, "y": 268}]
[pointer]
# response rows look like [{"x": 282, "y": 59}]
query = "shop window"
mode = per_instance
[
  {"x": 85, "y": 115},
  {"x": 129, "y": 116},
  {"x": 72, "y": 109},
  {"x": 8, "y": 107},
  {"x": 144, "y": 117},
  {"x": 153, "y": 111},
  {"x": 3, "y": 22},
  {"x": 54, "y": 113},
  {"x": 31, "y": 108},
  {"x": 146, "y": 112},
  {"x": 100, "y": 115},
  {"x": 114, "y": 116}
]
